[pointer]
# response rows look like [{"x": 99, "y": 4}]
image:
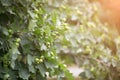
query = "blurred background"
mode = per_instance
[{"x": 90, "y": 46}]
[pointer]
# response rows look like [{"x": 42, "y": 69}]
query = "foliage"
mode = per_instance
[
  {"x": 31, "y": 30},
  {"x": 28, "y": 29},
  {"x": 88, "y": 42}
]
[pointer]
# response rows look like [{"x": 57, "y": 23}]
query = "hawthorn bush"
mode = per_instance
[
  {"x": 32, "y": 31},
  {"x": 28, "y": 29}
]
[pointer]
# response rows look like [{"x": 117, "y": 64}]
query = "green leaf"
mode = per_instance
[
  {"x": 5, "y": 31},
  {"x": 42, "y": 69},
  {"x": 43, "y": 47},
  {"x": 40, "y": 77},
  {"x": 31, "y": 14},
  {"x": 31, "y": 68},
  {"x": 13, "y": 64},
  {"x": 49, "y": 64},
  {"x": 14, "y": 56},
  {"x": 12, "y": 75},
  {"x": 32, "y": 25},
  {"x": 30, "y": 59},
  {"x": 23, "y": 73}
]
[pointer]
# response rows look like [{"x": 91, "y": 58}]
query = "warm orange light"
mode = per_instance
[{"x": 111, "y": 12}]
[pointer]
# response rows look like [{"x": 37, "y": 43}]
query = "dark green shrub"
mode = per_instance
[{"x": 27, "y": 34}]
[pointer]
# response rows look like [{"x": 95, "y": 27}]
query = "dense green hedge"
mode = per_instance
[{"x": 28, "y": 29}]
